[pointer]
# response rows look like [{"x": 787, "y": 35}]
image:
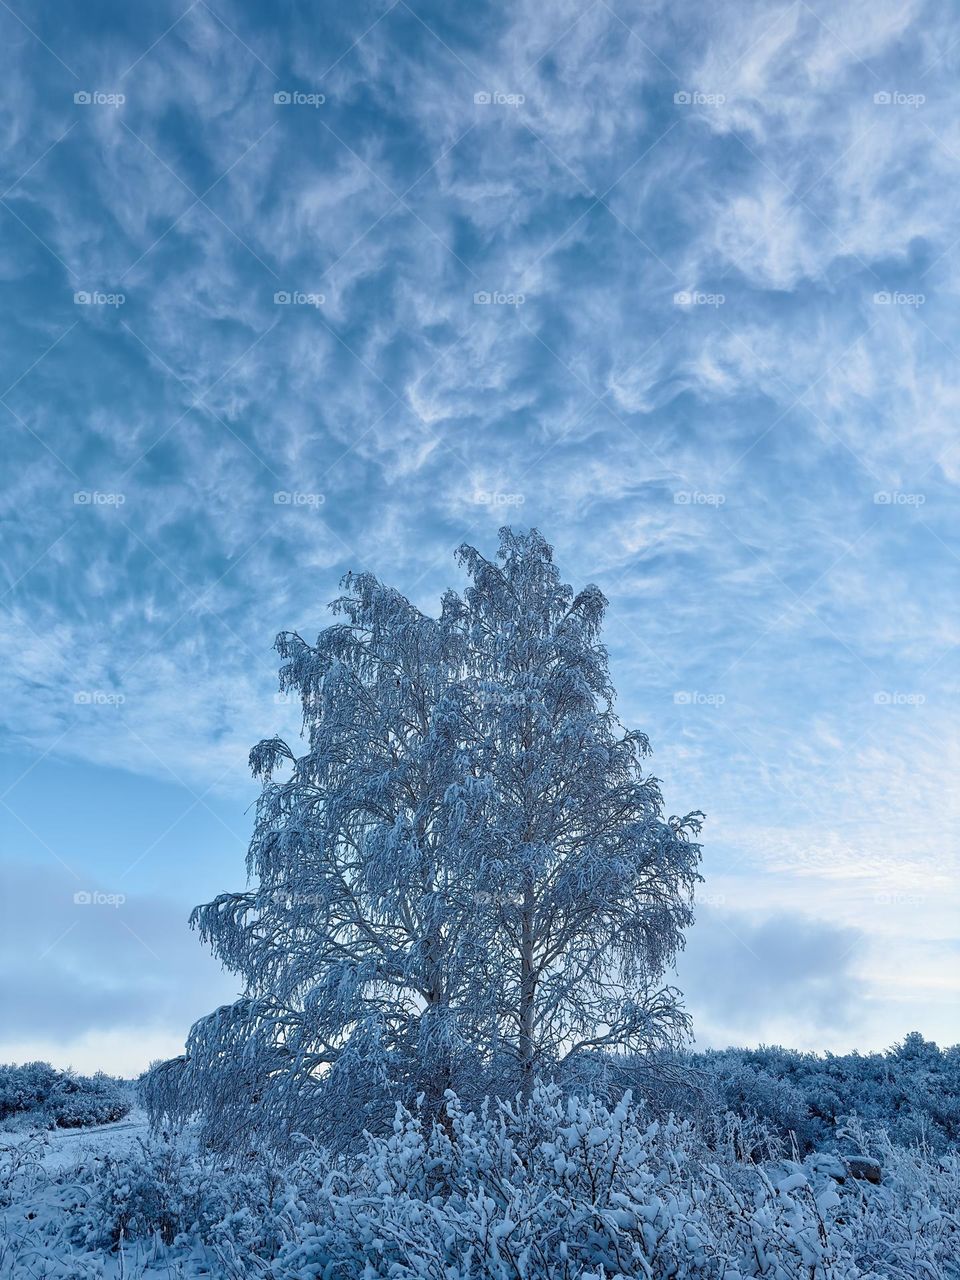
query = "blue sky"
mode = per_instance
[{"x": 293, "y": 290}]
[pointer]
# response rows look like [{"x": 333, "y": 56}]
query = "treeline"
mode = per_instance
[
  {"x": 912, "y": 1090},
  {"x": 37, "y": 1094}
]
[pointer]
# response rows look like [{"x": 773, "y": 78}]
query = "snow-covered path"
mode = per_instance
[
  {"x": 62, "y": 1147},
  {"x": 67, "y": 1145},
  {"x": 32, "y": 1243}
]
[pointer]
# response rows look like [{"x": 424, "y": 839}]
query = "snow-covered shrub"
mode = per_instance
[
  {"x": 152, "y": 1188},
  {"x": 912, "y": 1091},
  {"x": 37, "y": 1094},
  {"x": 166, "y": 1189},
  {"x": 21, "y": 1167},
  {"x": 86, "y": 1100},
  {"x": 573, "y": 1189},
  {"x": 26, "y": 1088},
  {"x": 135, "y": 1207}
]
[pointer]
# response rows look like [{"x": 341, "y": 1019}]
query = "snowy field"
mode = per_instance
[
  {"x": 36, "y": 1188},
  {"x": 61, "y": 1148}
]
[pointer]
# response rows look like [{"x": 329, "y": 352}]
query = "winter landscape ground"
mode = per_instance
[{"x": 826, "y": 1168}]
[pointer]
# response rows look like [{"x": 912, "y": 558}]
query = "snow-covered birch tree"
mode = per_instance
[
  {"x": 592, "y": 883},
  {"x": 359, "y": 941},
  {"x": 466, "y": 879}
]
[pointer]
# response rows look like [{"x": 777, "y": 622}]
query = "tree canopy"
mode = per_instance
[{"x": 465, "y": 881}]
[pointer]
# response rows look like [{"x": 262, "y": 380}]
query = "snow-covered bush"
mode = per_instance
[
  {"x": 570, "y": 1188},
  {"x": 558, "y": 1187},
  {"x": 149, "y": 1203},
  {"x": 37, "y": 1094},
  {"x": 912, "y": 1091},
  {"x": 167, "y": 1189},
  {"x": 152, "y": 1188},
  {"x": 21, "y": 1167}
]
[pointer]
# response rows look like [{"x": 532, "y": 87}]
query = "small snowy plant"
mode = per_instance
[{"x": 465, "y": 881}]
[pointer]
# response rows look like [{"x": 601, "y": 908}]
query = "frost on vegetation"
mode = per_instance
[
  {"x": 557, "y": 1186},
  {"x": 37, "y": 1095},
  {"x": 466, "y": 880},
  {"x": 464, "y": 898}
]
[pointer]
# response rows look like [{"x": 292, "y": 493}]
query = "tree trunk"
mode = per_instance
[{"x": 528, "y": 992}]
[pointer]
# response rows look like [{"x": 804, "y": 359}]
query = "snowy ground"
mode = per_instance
[
  {"x": 32, "y": 1244},
  {"x": 63, "y": 1147}
]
